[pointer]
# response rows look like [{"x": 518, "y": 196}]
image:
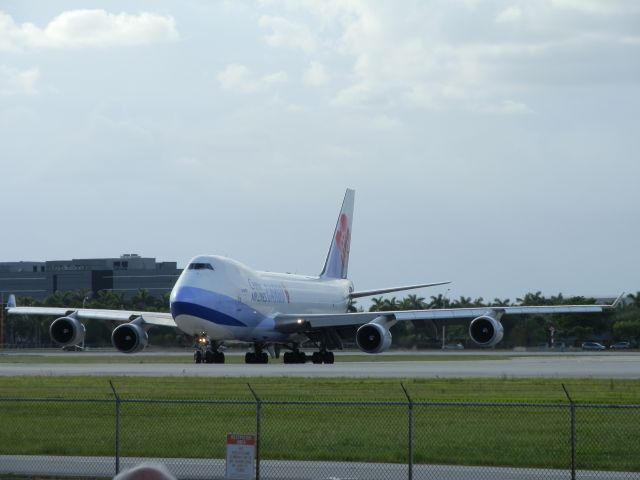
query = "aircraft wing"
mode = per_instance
[
  {"x": 443, "y": 316},
  {"x": 150, "y": 318},
  {"x": 379, "y": 291}
]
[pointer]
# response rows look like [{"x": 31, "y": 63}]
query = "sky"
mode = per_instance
[{"x": 491, "y": 143}]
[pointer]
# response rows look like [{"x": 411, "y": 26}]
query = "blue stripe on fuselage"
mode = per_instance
[{"x": 206, "y": 305}]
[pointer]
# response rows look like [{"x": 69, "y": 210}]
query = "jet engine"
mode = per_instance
[
  {"x": 486, "y": 331},
  {"x": 129, "y": 337},
  {"x": 373, "y": 338},
  {"x": 67, "y": 331}
]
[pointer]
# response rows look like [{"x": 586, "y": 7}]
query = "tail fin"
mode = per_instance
[
  {"x": 11, "y": 302},
  {"x": 337, "y": 262}
]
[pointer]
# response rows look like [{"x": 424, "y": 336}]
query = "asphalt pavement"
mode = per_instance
[{"x": 582, "y": 365}]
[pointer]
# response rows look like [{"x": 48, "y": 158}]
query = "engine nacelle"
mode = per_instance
[
  {"x": 129, "y": 338},
  {"x": 486, "y": 331},
  {"x": 373, "y": 338},
  {"x": 67, "y": 331}
]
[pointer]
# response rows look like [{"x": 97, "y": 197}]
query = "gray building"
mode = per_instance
[{"x": 126, "y": 274}]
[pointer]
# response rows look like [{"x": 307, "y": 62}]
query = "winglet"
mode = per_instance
[
  {"x": 617, "y": 301},
  {"x": 11, "y": 301}
]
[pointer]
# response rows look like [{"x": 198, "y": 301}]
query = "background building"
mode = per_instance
[{"x": 126, "y": 274}]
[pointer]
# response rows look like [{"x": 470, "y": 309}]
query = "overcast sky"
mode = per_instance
[{"x": 492, "y": 143}]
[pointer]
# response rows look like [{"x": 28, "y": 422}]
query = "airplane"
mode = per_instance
[{"x": 217, "y": 299}]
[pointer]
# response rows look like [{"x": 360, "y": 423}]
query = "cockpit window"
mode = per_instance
[{"x": 200, "y": 266}]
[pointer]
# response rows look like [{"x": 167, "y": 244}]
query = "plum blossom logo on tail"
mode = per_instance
[{"x": 343, "y": 239}]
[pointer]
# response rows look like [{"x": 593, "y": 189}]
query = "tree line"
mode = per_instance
[
  {"x": 520, "y": 330},
  {"x": 623, "y": 323}
]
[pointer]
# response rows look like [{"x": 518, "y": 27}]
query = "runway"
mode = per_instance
[
  {"x": 603, "y": 366},
  {"x": 33, "y": 465}
]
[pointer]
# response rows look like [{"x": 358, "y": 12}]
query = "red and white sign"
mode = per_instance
[{"x": 241, "y": 455}]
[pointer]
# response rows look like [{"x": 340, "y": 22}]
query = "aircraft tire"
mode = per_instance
[
  {"x": 263, "y": 358},
  {"x": 316, "y": 357},
  {"x": 218, "y": 357},
  {"x": 208, "y": 356},
  {"x": 301, "y": 357},
  {"x": 249, "y": 357},
  {"x": 197, "y": 356},
  {"x": 328, "y": 357}
]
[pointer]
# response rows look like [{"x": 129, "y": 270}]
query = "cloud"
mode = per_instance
[
  {"x": 87, "y": 29},
  {"x": 236, "y": 77},
  {"x": 509, "y": 15},
  {"x": 599, "y": 7},
  {"x": 18, "y": 82},
  {"x": 285, "y": 33},
  {"x": 383, "y": 122},
  {"x": 508, "y": 107},
  {"x": 315, "y": 75}
]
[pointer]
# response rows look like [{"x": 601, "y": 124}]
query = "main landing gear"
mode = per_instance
[
  {"x": 257, "y": 356},
  {"x": 207, "y": 351},
  {"x": 322, "y": 357},
  {"x": 295, "y": 356}
]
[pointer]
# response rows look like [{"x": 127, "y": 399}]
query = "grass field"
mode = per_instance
[
  {"x": 325, "y": 389},
  {"x": 446, "y": 432}
]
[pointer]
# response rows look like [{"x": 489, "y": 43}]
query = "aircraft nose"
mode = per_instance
[{"x": 182, "y": 294}]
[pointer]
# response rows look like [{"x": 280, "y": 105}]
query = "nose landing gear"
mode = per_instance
[{"x": 207, "y": 351}]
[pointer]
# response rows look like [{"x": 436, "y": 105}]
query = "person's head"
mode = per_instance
[{"x": 146, "y": 471}]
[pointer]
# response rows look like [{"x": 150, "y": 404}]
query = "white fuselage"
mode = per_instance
[{"x": 226, "y": 300}]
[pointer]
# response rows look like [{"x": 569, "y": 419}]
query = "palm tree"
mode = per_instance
[
  {"x": 351, "y": 306},
  {"x": 532, "y": 299},
  {"x": 59, "y": 299},
  {"x": 439, "y": 302},
  {"x": 462, "y": 302},
  {"x": 390, "y": 304},
  {"x": 108, "y": 299},
  {"x": 164, "y": 302},
  {"x": 557, "y": 299},
  {"x": 501, "y": 303},
  {"x": 478, "y": 302},
  {"x": 412, "y": 302},
  {"x": 142, "y": 300},
  {"x": 377, "y": 304}
]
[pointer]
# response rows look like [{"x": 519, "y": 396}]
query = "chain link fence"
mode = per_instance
[{"x": 96, "y": 438}]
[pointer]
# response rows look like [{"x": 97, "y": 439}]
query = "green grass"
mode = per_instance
[
  {"x": 325, "y": 389},
  {"x": 516, "y": 435}
]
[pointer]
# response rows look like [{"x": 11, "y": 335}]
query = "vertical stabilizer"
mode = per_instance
[{"x": 337, "y": 262}]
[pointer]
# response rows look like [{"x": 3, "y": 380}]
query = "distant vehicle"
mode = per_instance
[
  {"x": 593, "y": 346},
  {"x": 454, "y": 346},
  {"x": 621, "y": 346}
]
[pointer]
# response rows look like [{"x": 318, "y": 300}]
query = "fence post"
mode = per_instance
[
  {"x": 572, "y": 407},
  {"x": 117, "y": 397},
  {"x": 258, "y": 418},
  {"x": 410, "y": 433}
]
